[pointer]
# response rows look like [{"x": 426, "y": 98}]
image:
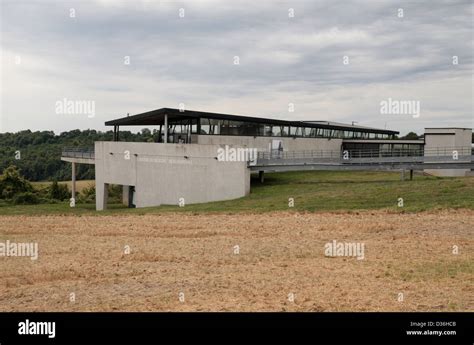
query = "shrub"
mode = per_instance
[
  {"x": 26, "y": 198},
  {"x": 58, "y": 191},
  {"x": 12, "y": 183},
  {"x": 115, "y": 193},
  {"x": 87, "y": 194}
]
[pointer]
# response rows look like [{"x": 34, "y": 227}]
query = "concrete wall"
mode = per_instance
[
  {"x": 161, "y": 174},
  {"x": 443, "y": 141},
  {"x": 262, "y": 143}
]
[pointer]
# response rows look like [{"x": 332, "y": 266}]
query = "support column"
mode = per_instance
[
  {"x": 73, "y": 178},
  {"x": 126, "y": 195},
  {"x": 166, "y": 129},
  {"x": 411, "y": 175},
  {"x": 102, "y": 194},
  {"x": 261, "y": 176}
]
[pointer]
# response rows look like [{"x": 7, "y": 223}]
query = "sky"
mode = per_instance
[{"x": 295, "y": 60}]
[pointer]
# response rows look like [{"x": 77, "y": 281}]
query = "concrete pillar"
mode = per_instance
[
  {"x": 73, "y": 187},
  {"x": 411, "y": 175},
  {"x": 261, "y": 176},
  {"x": 166, "y": 129},
  {"x": 126, "y": 195},
  {"x": 101, "y": 196}
]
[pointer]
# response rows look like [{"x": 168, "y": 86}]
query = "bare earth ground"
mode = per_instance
[{"x": 280, "y": 253}]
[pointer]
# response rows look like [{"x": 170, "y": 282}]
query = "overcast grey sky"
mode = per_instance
[{"x": 48, "y": 56}]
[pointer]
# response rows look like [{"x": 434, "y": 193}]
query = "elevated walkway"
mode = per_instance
[
  {"x": 437, "y": 158},
  {"x": 77, "y": 155},
  {"x": 80, "y": 155}
]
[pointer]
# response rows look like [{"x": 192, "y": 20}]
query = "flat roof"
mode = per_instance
[
  {"x": 384, "y": 141},
  {"x": 442, "y": 128},
  {"x": 156, "y": 118},
  {"x": 339, "y": 124}
]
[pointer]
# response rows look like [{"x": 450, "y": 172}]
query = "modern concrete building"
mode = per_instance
[
  {"x": 201, "y": 157},
  {"x": 452, "y": 142}
]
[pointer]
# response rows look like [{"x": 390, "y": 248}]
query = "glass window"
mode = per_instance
[
  {"x": 215, "y": 126},
  {"x": 296, "y": 131},
  {"x": 205, "y": 126},
  {"x": 260, "y": 129},
  {"x": 249, "y": 128},
  {"x": 268, "y": 130},
  {"x": 194, "y": 126}
]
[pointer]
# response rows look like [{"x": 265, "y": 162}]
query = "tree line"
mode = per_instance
[{"x": 37, "y": 154}]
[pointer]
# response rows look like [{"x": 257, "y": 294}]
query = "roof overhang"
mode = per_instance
[{"x": 157, "y": 117}]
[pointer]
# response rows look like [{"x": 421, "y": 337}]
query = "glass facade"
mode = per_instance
[
  {"x": 242, "y": 128},
  {"x": 180, "y": 130},
  {"x": 357, "y": 150}
]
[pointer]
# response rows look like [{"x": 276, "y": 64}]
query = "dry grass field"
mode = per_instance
[
  {"x": 280, "y": 253},
  {"x": 80, "y": 185}
]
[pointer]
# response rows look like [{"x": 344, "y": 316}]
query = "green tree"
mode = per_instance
[
  {"x": 12, "y": 183},
  {"x": 411, "y": 136},
  {"x": 40, "y": 151}
]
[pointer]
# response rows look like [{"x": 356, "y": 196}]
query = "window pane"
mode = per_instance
[
  {"x": 276, "y": 131},
  {"x": 268, "y": 131},
  {"x": 205, "y": 126}
]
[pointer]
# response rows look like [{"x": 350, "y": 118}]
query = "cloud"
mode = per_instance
[{"x": 190, "y": 59}]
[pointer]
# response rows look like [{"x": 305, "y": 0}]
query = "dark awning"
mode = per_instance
[{"x": 157, "y": 117}]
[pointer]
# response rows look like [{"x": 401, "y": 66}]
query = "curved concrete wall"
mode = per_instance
[{"x": 164, "y": 173}]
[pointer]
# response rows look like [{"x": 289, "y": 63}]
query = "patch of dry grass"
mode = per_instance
[
  {"x": 280, "y": 253},
  {"x": 80, "y": 185}
]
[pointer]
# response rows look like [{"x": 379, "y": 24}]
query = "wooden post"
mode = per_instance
[
  {"x": 261, "y": 176},
  {"x": 411, "y": 175}
]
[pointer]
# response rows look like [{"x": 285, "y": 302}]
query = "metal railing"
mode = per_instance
[
  {"x": 444, "y": 155},
  {"x": 78, "y": 152},
  {"x": 330, "y": 156},
  {"x": 355, "y": 153}
]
